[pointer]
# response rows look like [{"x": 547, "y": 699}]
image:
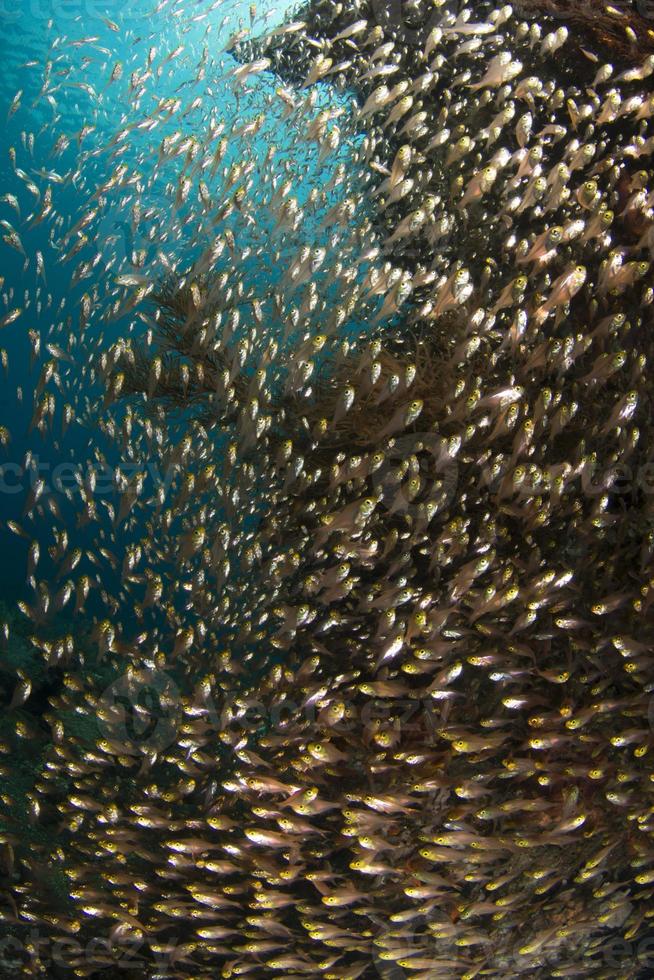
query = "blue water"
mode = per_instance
[{"x": 61, "y": 55}]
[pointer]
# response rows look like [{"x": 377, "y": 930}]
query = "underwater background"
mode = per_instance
[{"x": 326, "y": 476}]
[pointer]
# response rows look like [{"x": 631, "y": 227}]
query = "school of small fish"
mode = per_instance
[{"x": 393, "y": 585}]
